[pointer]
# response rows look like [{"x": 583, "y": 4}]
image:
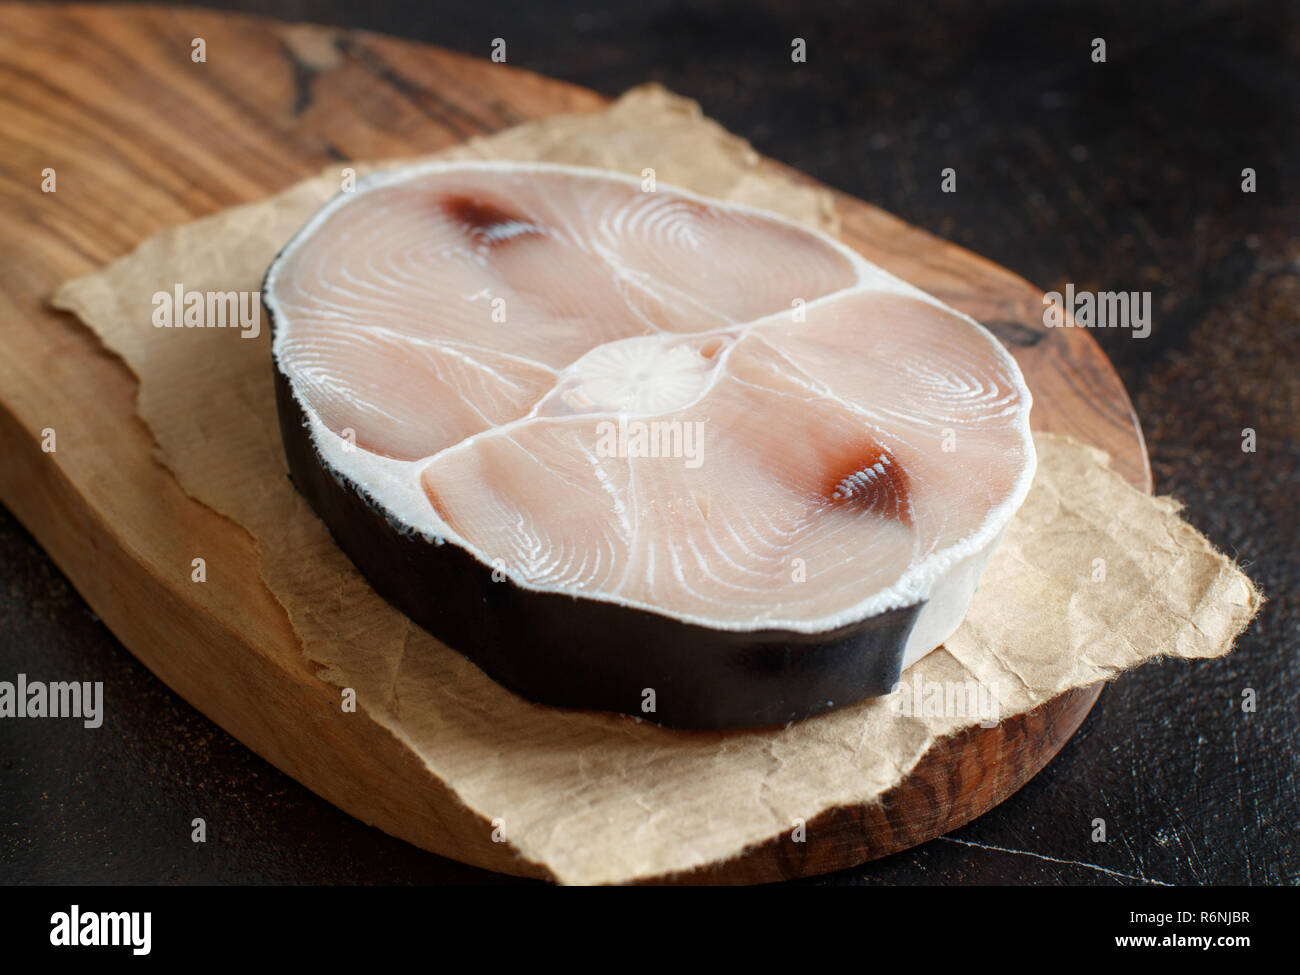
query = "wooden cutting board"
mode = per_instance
[{"x": 140, "y": 138}]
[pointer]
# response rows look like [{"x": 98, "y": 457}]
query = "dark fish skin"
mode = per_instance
[{"x": 571, "y": 652}]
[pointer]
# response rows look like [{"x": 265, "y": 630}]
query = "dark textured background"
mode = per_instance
[{"x": 1124, "y": 175}]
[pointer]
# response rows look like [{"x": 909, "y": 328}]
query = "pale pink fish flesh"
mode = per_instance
[{"x": 483, "y": 350}]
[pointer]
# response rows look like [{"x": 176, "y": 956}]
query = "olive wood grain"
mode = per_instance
[{"x": 143, "y": 138}]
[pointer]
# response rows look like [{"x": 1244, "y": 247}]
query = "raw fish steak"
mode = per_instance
[{"x": 641, "y": 451}]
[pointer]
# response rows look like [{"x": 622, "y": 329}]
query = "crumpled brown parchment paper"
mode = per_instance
[{"x": 597, "y": 798}]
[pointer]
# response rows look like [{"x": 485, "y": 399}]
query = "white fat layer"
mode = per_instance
[{"x": 946, "y": 578}]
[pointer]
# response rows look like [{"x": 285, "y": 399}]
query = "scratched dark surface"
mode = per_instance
[{"x": 1123, "y": 175}]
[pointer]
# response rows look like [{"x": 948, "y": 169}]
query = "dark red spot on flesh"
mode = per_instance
[
  {"x": 486, "y": 222},
  {"x": 869, "y": 475}
]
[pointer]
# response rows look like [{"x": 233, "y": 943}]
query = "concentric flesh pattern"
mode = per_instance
[{"x": 649, "y": 398}]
